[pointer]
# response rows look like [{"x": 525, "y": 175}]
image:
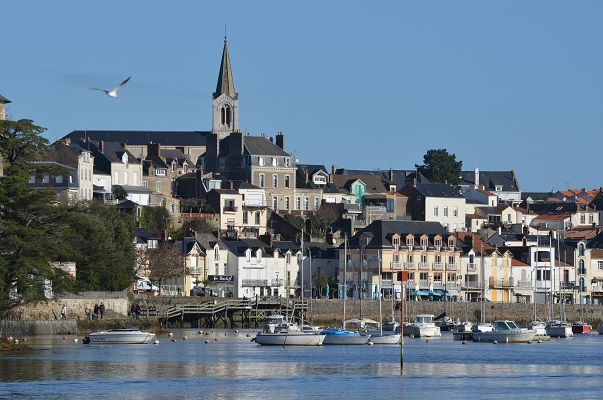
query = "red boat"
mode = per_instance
[{"x": 581, "y": 327}]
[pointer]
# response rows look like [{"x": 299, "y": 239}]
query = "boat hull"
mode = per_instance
[
  {"x": 289, "y": 339},
  {"x": 559, "y": 330},
  {"x": 390, "y": 338},
  {"x": 581, "y": 327},
  {"x": 338, "y": 336},
  {"x": 501, "y": 337},
  {"x": 119, "y": 337},
  {"x": 424, "y": 331}
]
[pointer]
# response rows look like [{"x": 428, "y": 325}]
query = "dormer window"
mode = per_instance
[
  {"x": 216, "y": 253},
  {"x": 424, "y": 244},
  {"x": 258, "y": 255},
  {"x": 438, "y": 244},
  {"x": 274, "y": 162},
  {"x": 409, "y": 243},
  {"x": 396, "y": 243},
  {"x": 160, "y": 171},
  {"x": 261, "y": 161},
  {"x": 287, "y": 162},
  {"x": 124, "y": 158},
  {"x": 248, "y": 255}
]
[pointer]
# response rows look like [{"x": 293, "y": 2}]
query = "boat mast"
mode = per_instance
[
  {"x": 345, "y": 271},
  {"x": 379, "y": 291},
  {"x": 302, "y": 275}
]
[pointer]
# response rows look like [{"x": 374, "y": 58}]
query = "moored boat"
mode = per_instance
[
  {"x": 119, "y": 335},
  {"x": 339, "y": 336},
  {"x": 581, "y": 327},
  {"x": 462, "y": 331},
  {"x": 384, "y": 337},
  {"x": 540, "y": 328},
  {"x": 423, "y": 327},
  {"x": 287, "y": 338},
  {"x": 505, "y": 331},
  {"x": 560, "y": 329}
]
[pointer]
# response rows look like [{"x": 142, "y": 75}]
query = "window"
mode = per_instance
[
  {"x": 160, "y": 172},
  {"x": 455, "y": 212},
  {"x": 248, "y": 255},
  {"x": 158, "y": 186},
  {"x": 126, "y": 178},
  {"x": 590, "y": 218},
  {"x": 409, "y": 243},
  {"x": 245, "y": 218},
  {"x": 261, "y": 161},
  {"x": 258, "y": 255},
  {"x": 307, "y": 203},
  {"x": 424, "y": 258},
  {"x": 396, "y": 243},
  {"x": 217, "y": 268},
  {"x": 59, "y": 179},
  {"x": 445, "y": 211},
  {"x": 410, "y": 258},
  {"x": 424, "y": 243},
  {"x": 316, "y": 200},
  {"x": 286, "y": 181},
  {"x": 287, "y": 162},
  {"x": 257, "y": 217},
  {"x": 582, "y": 219},
  {"x": 216, "y": 253},
  {"x": 275, "y": 203},
  {"x": 435, "y": 211},
  {"x": 438, "y": 259},
  {"x": 600, "y": 265},
  {"x": 581, "y": 250},
  {"x": 145, "y": 184},
  {"x": 274, "y": 181},
  {"x": 438, "y": 244},
  {"x": 32, "y": 179},
  {"x": 274, "y": 162},
  {"x": 262, "y": 182},
  {"x": 288, "y": 258},
  {"x": 286, "y": 203},
  {"x": 298, "y": 203}
]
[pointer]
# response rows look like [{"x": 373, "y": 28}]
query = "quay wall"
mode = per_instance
[{"x": 332, "y": 310}]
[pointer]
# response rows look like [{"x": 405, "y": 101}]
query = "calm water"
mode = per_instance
[{"x": 235, "y": 368}]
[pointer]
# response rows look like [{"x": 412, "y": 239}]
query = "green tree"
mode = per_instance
[
  {"x": 105, "y": 254},
  {"x": 156, "y": 220},
  {"x": 320, "y": 281},
  {"x": 119, "y": 192},
  {"x": 20, "y": 141},
  {"x": 441, "y": 167},
  {"x": 33, "y": 225}
]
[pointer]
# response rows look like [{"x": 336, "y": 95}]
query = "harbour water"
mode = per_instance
[{"x": 233, "y": 367}]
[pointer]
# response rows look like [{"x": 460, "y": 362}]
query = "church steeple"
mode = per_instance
[{"x": 226, "y": 99}]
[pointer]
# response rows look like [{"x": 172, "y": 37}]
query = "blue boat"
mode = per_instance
[{"x": 339, "y": 336}]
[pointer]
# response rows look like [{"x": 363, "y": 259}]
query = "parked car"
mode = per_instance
[
  {"x": 202, "y": 291},
  {"x": 478, "y": 299},
  {"x": 145, "y": 285}
]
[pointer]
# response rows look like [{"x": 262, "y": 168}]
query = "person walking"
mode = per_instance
[
  {"x": 101, "y": 309},
  {"x": 64, "y": 312},
  {"x": 96, "y": 311}
]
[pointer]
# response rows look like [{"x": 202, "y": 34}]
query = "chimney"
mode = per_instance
[
  {"x": 153, "y": 149},
  {"x": 101, "y": 146},
  {"x": 280, "y": 140},
  {"x": 391, "y": 174},
  {"x": 236, "y": 144},
  {"x": 333, "y": 168},
  {"x": 306, "y": 176},
  {"x": 476, "y": 178}
]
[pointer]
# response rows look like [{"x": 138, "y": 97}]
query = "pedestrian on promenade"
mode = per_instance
[
  {"x": 64, "y": 312},
  {"x": 101, "y": 309},
  {"x": 96, "y": 311}
]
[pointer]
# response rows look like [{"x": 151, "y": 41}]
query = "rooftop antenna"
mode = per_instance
[{"x": 224, "y": 32}]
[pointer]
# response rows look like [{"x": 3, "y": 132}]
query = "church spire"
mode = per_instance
[
  {"x": 226, "y": 99},
  {"x": 225, "y": 79}
]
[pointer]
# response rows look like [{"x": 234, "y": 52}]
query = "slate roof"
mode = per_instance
[
  {"x": 437, "y": 190},
  {"x": 401, "y": 177},
  {"x": 489, "y": 179},
  {"x": 556, "y": 207},
  {"x": 142, "y": 138},
  {"x": 254, "y": 146},
  {"x": 381, "y": 232},
  {"x": 4, "y": 100},
  {"x": 374, "y": 184}
]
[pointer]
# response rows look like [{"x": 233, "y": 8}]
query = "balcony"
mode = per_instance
[
  {"x": 471, "y": 285},
  {"x": 397, "y": 266},
  {"x": 277, "y": 282},
  {"x": 567, "y": 285},
  {"x": 524, "y": 284},
  {"x": 411, "y": 266},
  {"x": 423, "y": 265},
  {"x": 501, "y": 283},
  {"x": 374, "y": 209},
  {"x": 253, "y": 203},
  {"x": 229, "y": 209},
  {"x": 438, "y": 266},
  {"x": 254, "y": 282},
  {"x": 471, "y": 267},
  {"x": 452, "y": 267}
]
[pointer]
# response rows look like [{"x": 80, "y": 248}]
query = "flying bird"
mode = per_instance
[{"x": 113, "y": 93}]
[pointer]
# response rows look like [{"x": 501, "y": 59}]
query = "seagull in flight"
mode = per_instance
[{"x": 113, "y": 93}]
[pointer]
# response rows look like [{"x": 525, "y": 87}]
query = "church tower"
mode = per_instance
[{"x": 226, "y": 100}]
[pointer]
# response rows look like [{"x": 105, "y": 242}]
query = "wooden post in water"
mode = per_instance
[{"x": 402, "y": 299}]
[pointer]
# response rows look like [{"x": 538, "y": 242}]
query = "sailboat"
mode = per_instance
[
  {"x": 380, "y": 337},
  {"x": 342, "y": 336},
  {"x": 482, "y": 326},
  {"x": 580, "y": 326}
]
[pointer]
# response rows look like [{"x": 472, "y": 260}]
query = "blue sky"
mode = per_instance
[{"x": 502, "y": 85}]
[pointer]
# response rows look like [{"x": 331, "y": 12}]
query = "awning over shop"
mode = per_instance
[{"x": 419, "y": 293}]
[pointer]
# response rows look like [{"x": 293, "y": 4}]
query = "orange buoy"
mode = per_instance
[
  {"x": 174, "y": 340},
  {"x": 25, "y": 339},
  {"x": 64, "y": 337},
  {"x": 216, "y": 339},
  {"x": 225, "y": 333},
  {"x": 427, "y": 340}
]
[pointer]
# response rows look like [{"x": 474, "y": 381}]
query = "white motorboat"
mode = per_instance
[
  {"x": 287, "y": 338},
  {"x": 279, "y": 323},
  {"x": 119, "y": 335},
  {"x": 391, "y": 325},
  {"x": 462, "y": 331},
  {"x": 482, "y": 327},
  {"x": 505, "y": 331},
  {"x": 424, "y": 326},
  {"x": 557, "y": 328},
  {"x": 341, "y": 336}
]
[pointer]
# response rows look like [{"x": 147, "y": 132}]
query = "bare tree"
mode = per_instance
[
  {"x": 165, "y": 262},
  {"x": 327, "y": 214}
]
